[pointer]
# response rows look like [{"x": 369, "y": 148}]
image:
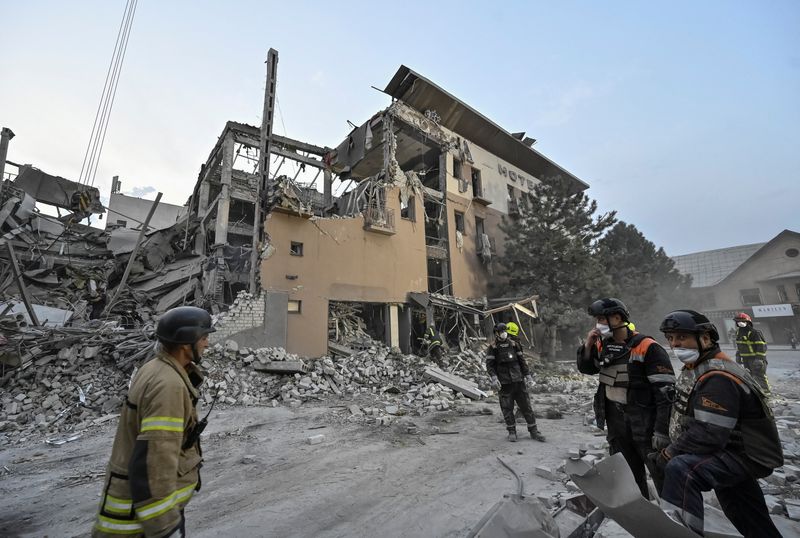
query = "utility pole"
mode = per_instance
[
  {"x": 5, "y": 136},
  {"x": 264, "y": 189}
]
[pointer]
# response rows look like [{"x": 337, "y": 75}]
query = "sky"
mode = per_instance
[{"x": 682, "y": 116}]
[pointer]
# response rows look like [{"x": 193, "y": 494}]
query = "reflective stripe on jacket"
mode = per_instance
[
  {"x": 750, "y": 343},
  {"x": 150, "y": 476}
]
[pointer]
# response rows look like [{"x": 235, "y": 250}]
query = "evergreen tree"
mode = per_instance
[
  {"x": 642, "y": 276},
  {"x": 549, "y": 252}
]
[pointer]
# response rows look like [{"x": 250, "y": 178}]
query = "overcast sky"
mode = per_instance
[{"x": 683, "y": 117}]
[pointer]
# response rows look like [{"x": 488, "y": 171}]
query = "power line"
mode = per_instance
[{"x": 103, "y": 115}]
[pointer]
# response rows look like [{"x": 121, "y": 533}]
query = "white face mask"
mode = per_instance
[
  {"x": 503, "y": 335},
  {"x": 604, "y": 329},
  {"x": 686, "y": 356},
  {"x": 741, "y": 324}
]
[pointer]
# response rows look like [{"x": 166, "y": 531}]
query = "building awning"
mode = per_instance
[{"x": 792, "y": 274}]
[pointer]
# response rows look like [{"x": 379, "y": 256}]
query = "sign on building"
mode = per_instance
[{"x": 772, "y": 310}]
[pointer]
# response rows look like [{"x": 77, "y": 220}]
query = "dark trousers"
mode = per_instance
[
  {"x": 688, "y": 475},
  {"x": 757, "y": 369},
  {"x": 511, "y": 393},
  {"x": 621, "y": 439}
]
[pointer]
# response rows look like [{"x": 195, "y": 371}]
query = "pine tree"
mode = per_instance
[
  {"x": 549, "y": 250},
  {"x": 642, "y": 276}
]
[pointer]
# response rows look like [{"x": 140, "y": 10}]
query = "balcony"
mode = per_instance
[{"x": 379, "y": 219}]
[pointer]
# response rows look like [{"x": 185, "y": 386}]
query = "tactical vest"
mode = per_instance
[
  {"x": 759, "y": 436},
  {"x": 623, "y": 370}
]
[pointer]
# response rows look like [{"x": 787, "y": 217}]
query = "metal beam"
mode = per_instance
[
  {"x": 23, "y": 291},
  {"x": 127, "y": 272},
  {"x": 317, "y": 163}
]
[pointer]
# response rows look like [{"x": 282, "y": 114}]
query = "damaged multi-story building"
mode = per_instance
[{"x": 404, "y": 229}]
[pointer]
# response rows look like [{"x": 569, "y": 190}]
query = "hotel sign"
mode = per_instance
[{"x": 772, "y": 311}]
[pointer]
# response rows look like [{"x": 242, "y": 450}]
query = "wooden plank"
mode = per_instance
[
  {"x": 467, "y": 388},
  {"x": 282, "y": 367}
]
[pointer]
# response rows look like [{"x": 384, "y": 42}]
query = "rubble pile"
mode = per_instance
[{"x": 78, "y": 381}]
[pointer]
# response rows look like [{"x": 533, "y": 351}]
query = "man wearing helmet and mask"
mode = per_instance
[
  {"x": 510, "y": 375},
  {"x": 751, "y": 349},
  {"x": 636, "y": 384},
  {"x": 156, "y": 457},
  {"x": 722, "y": 433}
]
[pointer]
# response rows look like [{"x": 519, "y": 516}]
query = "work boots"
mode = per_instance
[
  {"x": 535, "y": 435},
  {"x": 512, "y": 436}
]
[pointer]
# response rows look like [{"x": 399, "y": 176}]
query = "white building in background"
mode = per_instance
[{"x": 130, "y": 212}]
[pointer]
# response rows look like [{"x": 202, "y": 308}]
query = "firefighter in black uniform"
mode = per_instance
[
  {"x": 636, "y": 385},
  {"x": 510, "y": 375},
  {"x": 723, "y": 435},
  {"x": 751, "y": 349}
]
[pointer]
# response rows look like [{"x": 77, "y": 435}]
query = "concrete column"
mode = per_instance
[
  {"x": 223, "y": 207},
  {"x": 327, "y": 190},
  {"x": 393, "y": 326}
]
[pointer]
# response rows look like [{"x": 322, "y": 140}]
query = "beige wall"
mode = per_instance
[
  {"x": 770, "y": 262},
  {"x": 342, "y": 262}
]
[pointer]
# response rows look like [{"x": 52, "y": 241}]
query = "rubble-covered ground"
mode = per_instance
[{"x": 391, "y": 454}]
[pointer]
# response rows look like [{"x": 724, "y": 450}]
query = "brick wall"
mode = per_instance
[{"x": 246, "y": 312}]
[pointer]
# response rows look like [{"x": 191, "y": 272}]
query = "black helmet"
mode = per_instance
[
  {"x": 689, "y": 321},
  {"x": 183, "y": 325},
  {"x": 606, "y": 307},
  {"x": 500, "y": 327}
]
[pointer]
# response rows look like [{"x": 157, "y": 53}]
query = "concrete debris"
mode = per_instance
[{"x": 315, "y": 439}]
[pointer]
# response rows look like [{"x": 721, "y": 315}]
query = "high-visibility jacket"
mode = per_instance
[
  {"x": 151, "y": 476},
  {"x": 750, "y": 343},
  {"x": 636, "y": 374}
]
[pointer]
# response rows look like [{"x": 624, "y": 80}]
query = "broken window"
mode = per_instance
[
  {"x": 513, "y": 202},
  {"x": 122, "y": 222},
  {"x": 459, "y": 221},
  {"x": 295, "y": 307},
  {"x": 751, "y": 297},
  {"x": 296, "y": 249},
  {"x": 408, "y": 210},
  {"x": 783, "y": 297},
  {"x": 457, "y": 168},
  {"x": 477, "y": 186},
  {"x": 479, "y": 229}
]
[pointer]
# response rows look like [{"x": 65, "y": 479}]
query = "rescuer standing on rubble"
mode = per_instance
[
  {"x": 723, "y": 435},
  {"x": 636, "y": 384},
  {"x": 510, "y": 375},
  {"x": 751, "y": 349},
  {"x": 156, "y": 457}
]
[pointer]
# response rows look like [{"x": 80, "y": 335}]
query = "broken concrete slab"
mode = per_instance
[
  {"x": 611, "y": 486},
  {"x": 516, "y": 516},
  {"x": 315, "y": 439},
  {"x": 282, "y": 367},
  {"x": 465, "y": 387}
]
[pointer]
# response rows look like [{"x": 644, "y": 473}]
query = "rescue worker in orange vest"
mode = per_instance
[
  {"x": 751, "y": 349},
  {"x": 156, "y": 457},
  {"x": 722, "y": 433},
  {"x": 636, "y": 385}
]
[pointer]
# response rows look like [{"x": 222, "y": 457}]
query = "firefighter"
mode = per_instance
[
  {"x": 722, "y": 432},
  {"x": 636, "y": 383},
  {"x": 156, "y": 457},
  {"x": 751, "y": 349},
  {"x": 433, "y": 342},
  {"x": 510, "y": 375}
]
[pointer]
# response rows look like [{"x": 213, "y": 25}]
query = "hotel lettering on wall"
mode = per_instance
[
  {"x": 523, "y": 181},
  {"x": 772, "y": 311}
]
